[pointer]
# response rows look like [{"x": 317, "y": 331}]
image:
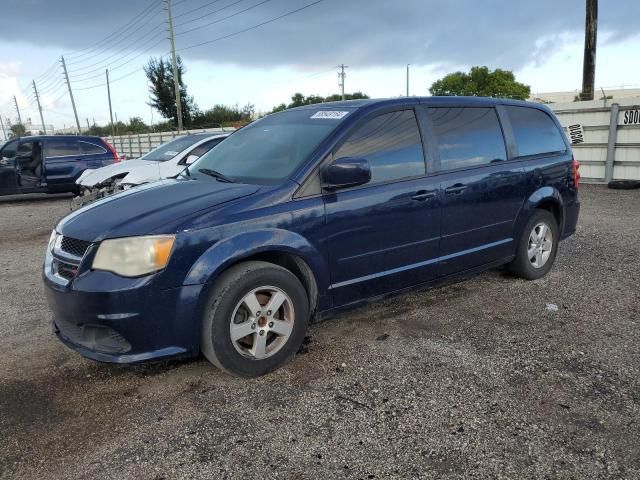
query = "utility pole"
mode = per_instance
[
  {"x": 88, "y": 127},
  {"x": 15, "y": 102},
  {"x": 176, "y": 80},
  {"x": 4, "y": 132},
  {"x": 341, "y": 77},
  {"x": 73, "y": 103},
  {"x": 35, "y": 91},
  {"x": 590, "y": 37},
  {"x": 408, "y": 79},
  {"x": 113, "y": 133}
]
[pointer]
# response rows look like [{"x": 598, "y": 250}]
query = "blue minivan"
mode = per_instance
[
  {"x": 50, "y": 163},
  {"x": 307, "y": 212}
]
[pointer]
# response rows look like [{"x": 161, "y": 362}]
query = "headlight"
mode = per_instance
[
  {"x": 52, "y": 241},
  {"x": 134, "y": 256}
]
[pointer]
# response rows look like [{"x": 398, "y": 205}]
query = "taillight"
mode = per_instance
[
  {"x": 116, "y": 159},
  {"x": 576, "y": 173}
]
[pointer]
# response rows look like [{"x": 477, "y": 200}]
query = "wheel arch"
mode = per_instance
[
  {"x": 284, "y": 248},
  {"x": 545, "y": 198}
]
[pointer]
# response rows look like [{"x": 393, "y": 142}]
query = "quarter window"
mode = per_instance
[
  {"x": 91, "y": 148},
  {"x": 467, "y": 137},
  {"x": 61, "y": 147},
  {"x": 391, "y": 143},
  {"x": 535, "y": 132}
]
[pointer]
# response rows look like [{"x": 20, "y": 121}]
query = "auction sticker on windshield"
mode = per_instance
[{"x": 329, "y": 114}]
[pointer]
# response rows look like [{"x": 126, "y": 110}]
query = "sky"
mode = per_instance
[{"x": 263, "y": 51}]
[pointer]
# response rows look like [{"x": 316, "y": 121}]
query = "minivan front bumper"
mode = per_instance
[{"x": 130, "y": 321}]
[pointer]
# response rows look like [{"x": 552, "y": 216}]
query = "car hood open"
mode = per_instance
[
  {"x": 146, "y": 209},
  {"x": 91, "y": 178}
]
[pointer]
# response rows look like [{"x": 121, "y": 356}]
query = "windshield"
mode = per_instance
[
  {"x": 169, "y": 150},
  {"x": 269, "y": 150}
]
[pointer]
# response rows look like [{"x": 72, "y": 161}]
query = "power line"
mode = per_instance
[
  {"x": 195, "y": 9},
  {"x": 148, "y": 37},
  {"x": 208, "y": 14},
  {"x": 112, "y": 81},
  {"x": 223, "y": 18},
  {"x": 83, "y": 76},
  {"x": 134, "y": 20},
  {"x": 253, "y": 26}
]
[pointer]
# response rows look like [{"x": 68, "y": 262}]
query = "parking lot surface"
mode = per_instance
[{"x": 479, "y": 379}]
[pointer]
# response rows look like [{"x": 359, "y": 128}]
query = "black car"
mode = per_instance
[{"x": 50, "y": 163}]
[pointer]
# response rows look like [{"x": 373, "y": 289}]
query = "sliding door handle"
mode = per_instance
[{"x": 455, "y": 189}]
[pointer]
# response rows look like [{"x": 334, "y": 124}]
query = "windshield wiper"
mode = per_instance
[{"x": 215, "y": 174}]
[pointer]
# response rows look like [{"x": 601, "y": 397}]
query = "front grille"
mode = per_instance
[
  {"x": 74, "y": 247},
  {"x": 65, "y": 270}
]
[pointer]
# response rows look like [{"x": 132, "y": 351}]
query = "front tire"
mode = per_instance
[
  {"x": 255, "y": 319},
  {"x": 537, "y": 246}
]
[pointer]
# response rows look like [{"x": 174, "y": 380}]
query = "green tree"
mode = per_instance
[
  {"x": 18, "y": 130},
  {"x": 160, "y": 75},
  {"x": 298, "y": 100},
  {"x": 481, "y": 82}
]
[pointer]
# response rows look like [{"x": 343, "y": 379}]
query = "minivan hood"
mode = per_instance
[
  {"x": 146, "y": 209},
  {"x": 91, "y": 178}
]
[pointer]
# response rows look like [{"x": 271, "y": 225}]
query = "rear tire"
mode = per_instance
[
  {"x": 537, "y": 246},
  {"x": 255, "y": 319},
  {"x": 624, "y": 184}
]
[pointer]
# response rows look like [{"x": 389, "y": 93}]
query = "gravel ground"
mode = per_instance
[{"x": 473, "y": 380}]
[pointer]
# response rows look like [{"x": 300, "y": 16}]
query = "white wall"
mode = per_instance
[{"x": 592, "y": 154}]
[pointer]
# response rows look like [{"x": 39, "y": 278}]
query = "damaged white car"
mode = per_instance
[{"x": 165, "y": 161}]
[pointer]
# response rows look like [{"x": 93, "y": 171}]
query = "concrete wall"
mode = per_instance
[
  {"x": 610, "y": 149},
  {"x": 134, "y": 146}
]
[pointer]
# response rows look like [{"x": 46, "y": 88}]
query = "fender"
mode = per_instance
[
  {"x": 542, "y": 195},
  {"x": 243, "y": 245}
]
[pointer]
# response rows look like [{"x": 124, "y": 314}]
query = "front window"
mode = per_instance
[
  {"x": 270, "y": 150},
  {"x": 169, "y": 150}
]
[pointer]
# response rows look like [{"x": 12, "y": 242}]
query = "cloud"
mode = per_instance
[{"x": 366, "y": 33}]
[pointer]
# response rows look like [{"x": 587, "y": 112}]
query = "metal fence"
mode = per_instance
[
  {"x": 134, "y": 146},
  {"x": 605, "y": 139}
]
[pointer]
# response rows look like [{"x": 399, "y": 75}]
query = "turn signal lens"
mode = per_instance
[{"x": 134, "y": 256}]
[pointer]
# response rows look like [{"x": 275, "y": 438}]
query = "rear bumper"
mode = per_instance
[
  {"x": 127, "y": 320},
  {"x": 572, "y": 212}
]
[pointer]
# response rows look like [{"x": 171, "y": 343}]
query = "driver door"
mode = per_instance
[
  {"x": 384, "y": 235},
  {"x": 8, "y": 174}
]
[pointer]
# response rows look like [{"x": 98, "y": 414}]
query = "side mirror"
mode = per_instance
[
  {"x": 346, "y": 172},
  {"x": 190, "y": 159}
]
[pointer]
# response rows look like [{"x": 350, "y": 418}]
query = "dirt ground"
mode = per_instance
[{"x": 479, "y": 379}]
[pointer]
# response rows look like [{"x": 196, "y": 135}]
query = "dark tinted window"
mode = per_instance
[
  {"x": 391, "y": 143},
  {"x": 89, "y": 148},
  {"x": 205, "y": 147},
  {"x": 535, "y": 132},
  {"x": 467, "y": 137},
  {"x": 60, "y": 147},
  {"x": 9, "y": 150}
]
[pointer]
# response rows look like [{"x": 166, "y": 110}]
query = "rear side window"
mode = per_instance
[
  {"x": 205, "y": 147},
  {"x": 467, "y": 137},
  {"x": 62, "y": 147},
  {"x": 89, "y": 148},
  {"x": 535, "y": 132},
  {"x": 391, "y": 143}
]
